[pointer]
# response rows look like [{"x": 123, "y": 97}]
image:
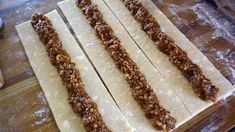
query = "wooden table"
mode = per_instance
[{"x": 23, "y": 106}]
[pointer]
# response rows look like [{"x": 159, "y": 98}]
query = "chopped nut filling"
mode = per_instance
[
  {"x": 201, "y": 85},
  {"x": 80, "y": 101},
  {"x": 141, "y": 90}
]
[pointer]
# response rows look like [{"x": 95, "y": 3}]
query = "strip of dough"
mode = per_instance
[
  {"x": 1, "y": 79},
  {"x": 161, "y": 61},
  {"x": 51, "y": 83},
  {"x": 112, "y": 77}
]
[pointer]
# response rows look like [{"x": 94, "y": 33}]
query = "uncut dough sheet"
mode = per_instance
[
  {"x": 112, "y": 77},
  {"x": 52, "y": 86},
  {"x": 170, "y": 72}
]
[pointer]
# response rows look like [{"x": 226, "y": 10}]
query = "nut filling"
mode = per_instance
[
  {"x": 78, "y": 98},
  {"x": 141, "y": 90},
  {"x": 201, "y": 85}
]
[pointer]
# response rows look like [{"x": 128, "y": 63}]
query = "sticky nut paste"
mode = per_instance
[
  {"x": 80, "y": 101},
  {"x": 200, "y": 84},
  {"x": 141, "y": 90}
]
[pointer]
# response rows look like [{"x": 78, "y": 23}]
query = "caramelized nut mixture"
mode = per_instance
[
  {"x": 78, "y": 98},
  {"x": 201, "y": 85},
  {"x": 141, "y": 90}
]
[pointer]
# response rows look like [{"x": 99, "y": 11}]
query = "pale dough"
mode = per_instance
[
  {"x": 112, "y": 77},
  {"x": 161, "y": 61},
  {"x": 53, "y": 88},
  {"x": 1, "y": 79}
]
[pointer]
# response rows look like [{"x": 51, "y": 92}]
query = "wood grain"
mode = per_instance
[{"x": 23, "y": 106}]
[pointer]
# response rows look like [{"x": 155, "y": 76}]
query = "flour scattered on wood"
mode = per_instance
[
  {"x": 232, "y": 70},
  {"x": 208, "y": 15},
  {"x": 42, "y": 98},
  {"x": 41, "y": 112}
]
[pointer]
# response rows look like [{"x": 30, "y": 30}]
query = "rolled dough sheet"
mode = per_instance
[
  {"x": 52, "y": 86},
  {"x": 112, "y": 77},
  {"x": 161, "y": 61}
]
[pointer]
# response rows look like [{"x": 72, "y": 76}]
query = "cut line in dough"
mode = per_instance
[
  {"x": 112, "y": 77},
  {"x": 161, "y": 61},
  {"x": 52, "y": 86},
  {"x": 89, "y": 42}
]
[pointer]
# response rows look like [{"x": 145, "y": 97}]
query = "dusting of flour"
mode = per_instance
[{"x": 223, "y": 27}]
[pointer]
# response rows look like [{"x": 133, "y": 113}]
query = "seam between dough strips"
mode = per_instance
[
  {"x": 74, "y": 52},
  {"x": 104, "y": 8},
  {"x": 158, "y": 116},
  {"x": 147, "y": 57},
  {"x": 90, "y": 61},
  {"x": 78, "y": 98},
  {"x": 226, "y": 91}
]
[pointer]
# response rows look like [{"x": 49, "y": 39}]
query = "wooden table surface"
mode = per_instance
[{"x": 23, "y": 106}]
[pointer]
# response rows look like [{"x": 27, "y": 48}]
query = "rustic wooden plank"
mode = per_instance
[
  {"x": 220, "y": 116},
  {"x": 202, "y": 35},
  {"x": 15, "y": 66},
  {"x": 24, "y": 108},
  {"x": 13, "y": 60},
  {"x": 10, "y": 3}
]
